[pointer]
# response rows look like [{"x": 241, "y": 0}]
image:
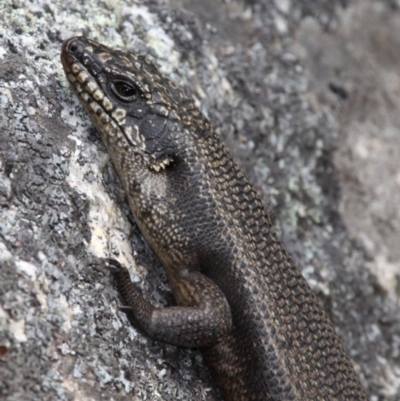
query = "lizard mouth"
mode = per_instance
[
  {"x": 83, "y": 61},
  {"x": 118, "y": 102},
  {"x": 108, "y": 93},
  {"x": 82, "y": 71}
]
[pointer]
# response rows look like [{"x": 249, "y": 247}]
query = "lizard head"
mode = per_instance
[{"x": 133, "y": 107}]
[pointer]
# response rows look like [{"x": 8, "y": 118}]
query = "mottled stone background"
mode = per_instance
[{"x": 306, "y": 93}]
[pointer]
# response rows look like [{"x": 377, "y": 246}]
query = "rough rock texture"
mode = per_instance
[{"x": 305, "y": 93}]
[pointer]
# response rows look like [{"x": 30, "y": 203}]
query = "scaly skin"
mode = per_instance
[{"x": 261, "y": 329}]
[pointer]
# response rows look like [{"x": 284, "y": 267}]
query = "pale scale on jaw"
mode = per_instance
[
  {"x": 91, "y": 86},
  {"x": 107, "y": 104},
  {"x": 98, "y": 95},
  {"x": 75, "y": 68},
  {"x": 82, "y": 77},
  {"x": 119, "y": 115}
]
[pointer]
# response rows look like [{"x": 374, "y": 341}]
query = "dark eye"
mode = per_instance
[{"x": 125, "y": 91}]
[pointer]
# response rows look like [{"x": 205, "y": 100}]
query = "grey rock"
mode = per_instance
[{"x": 305, "y": 93}]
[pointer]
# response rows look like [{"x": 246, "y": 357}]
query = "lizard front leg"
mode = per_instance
[{"x": 202, "y": 317}]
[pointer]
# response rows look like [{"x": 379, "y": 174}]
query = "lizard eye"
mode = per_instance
[{"x": 125, "y": 91}]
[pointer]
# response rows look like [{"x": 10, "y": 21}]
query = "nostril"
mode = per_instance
[{"x": 73, "y": 48}]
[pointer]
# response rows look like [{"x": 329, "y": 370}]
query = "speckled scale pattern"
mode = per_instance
[
  {"x": 291, "y": 324},
  {"x": 262, "y": 331}
]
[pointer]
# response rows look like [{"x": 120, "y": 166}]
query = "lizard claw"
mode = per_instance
[
  {"x": 125, "y": 309},
  {"x": 114, "y": 265}
]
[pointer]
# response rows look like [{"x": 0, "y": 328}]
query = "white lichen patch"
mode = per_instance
[
  {"x": 2, "y": 52},
  {"x": 74, "y": 387},
  {"x": 157, "y": 38},
  {"x": 108, "y": 226},
  {"x": 3, "y": 316},
  {"x": 5, "y": 254},
  {"x": 67, "y": 312},
  {"x": 27, "y": 268},
  {"x": 17, "y": 329},
  {"x": 387, "y": 274}
]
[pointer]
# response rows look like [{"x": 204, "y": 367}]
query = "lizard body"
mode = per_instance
[{"x": 239, "y": 297}]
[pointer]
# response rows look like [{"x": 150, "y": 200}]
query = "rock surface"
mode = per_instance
[{"x": 306, "y": 95}]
